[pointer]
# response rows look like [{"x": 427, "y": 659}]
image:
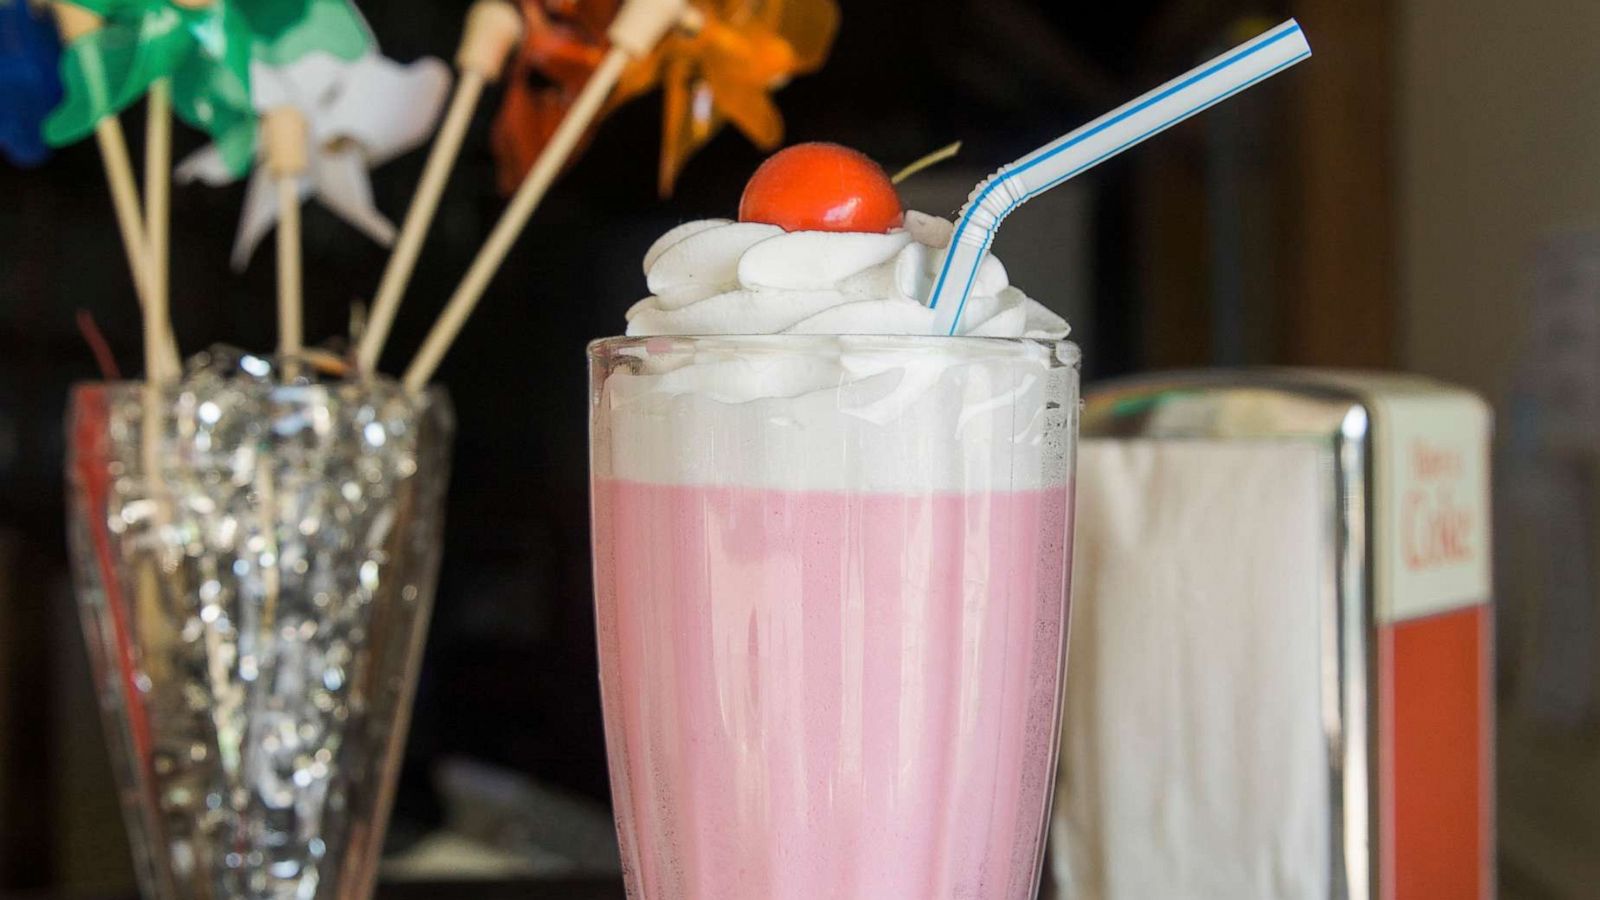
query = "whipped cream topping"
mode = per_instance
[
  {"x": 812, "y": 366},
  {"x": 839, "y": 412},
  {"x": 715, "y": 276}
]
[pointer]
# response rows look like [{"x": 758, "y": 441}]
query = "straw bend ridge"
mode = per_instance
[{"x": 1155, "y": 112}]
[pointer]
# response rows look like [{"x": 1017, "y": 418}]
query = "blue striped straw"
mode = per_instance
[{"x": 1094, "y": 143}]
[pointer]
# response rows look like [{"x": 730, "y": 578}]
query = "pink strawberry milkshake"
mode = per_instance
[{"x": 832, "y": 571}]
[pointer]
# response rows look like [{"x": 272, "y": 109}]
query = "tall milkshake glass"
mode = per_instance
[{"x": 832, "y": 578}]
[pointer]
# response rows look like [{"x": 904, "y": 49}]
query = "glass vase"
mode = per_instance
[{"x": 255, "y": 565}]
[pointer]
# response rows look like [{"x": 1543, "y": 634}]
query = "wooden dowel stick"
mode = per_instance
[
  {"x": 283, "y": 144},
  {"x": 158, "y": 223},
  {"x": 124, "y": 201},
  {"x": 157, "y": 329},
  {"x": 291, "y": 327},
  {"x": 397, "y": 275},
  {"x": 639, "y": 26},
  {"x": 516, "y": 216},
  {"x": 492, "y": 28},
  {"x": 75, "y": 22}
]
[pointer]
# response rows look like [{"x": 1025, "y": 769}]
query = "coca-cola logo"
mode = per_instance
[{"x": 1437, "y": 527}]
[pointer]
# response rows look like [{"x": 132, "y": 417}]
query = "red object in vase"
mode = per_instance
[
  {"x": 92, "y": 459},
  {"x": 822, "y": 187}
]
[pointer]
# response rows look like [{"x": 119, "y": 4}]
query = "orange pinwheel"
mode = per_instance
[
  {"x": 725, "y": 72},
  {"x": 728, "y": 70},
  {"x": 563, "y": 42}
]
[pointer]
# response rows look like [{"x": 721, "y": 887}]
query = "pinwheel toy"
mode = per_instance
[
  {"x": 29, "y": 85},
  {"x": 563, "y": 42},
  {"x": 201, "y": 53},
  {"x": 205, "y": 48},
  {"x": 193, "y": 56},
  {"x": 723, "y": 72},
  {"x": 727, "y": 71},
  {"x": 360, "y": 115}
]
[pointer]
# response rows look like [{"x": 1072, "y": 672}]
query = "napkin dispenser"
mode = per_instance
[{"x": 1279, "y": 674}]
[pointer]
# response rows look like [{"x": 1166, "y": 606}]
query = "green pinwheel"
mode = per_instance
[{"x": 205, "y": 49}]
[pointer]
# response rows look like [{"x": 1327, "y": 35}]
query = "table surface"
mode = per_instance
[
  {"x": 569, "y": 889},
  {"x": 582, "y": 889},
  {"x": 578, "y": 889}
]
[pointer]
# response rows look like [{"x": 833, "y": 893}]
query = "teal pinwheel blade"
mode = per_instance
[
  {"x": 105, "y": 71},
  {"x": 287, "y": 30},
  {"x": 206, "y": 52},
  {"x": 211, "y": 91}
]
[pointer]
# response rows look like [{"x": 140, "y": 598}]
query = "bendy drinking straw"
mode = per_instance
[{"x": 1093, "y": 144}]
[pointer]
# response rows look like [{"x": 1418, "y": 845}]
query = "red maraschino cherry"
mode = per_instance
[{"x": 822, "y": 187}]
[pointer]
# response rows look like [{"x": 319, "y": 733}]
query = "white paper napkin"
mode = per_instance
[{"x": 1193, "y": 761}]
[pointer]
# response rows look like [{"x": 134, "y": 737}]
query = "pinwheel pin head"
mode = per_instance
[
  {"x": 493, "y": 28},
  {"x": 284, "y": 139},
  {"x": 822, "y": 187},
  {"x": 74, "y": 21},
  {"x": 641, "y": 24}
]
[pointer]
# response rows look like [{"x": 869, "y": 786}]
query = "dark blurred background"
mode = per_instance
[{"x": 1421, "y": 195}]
